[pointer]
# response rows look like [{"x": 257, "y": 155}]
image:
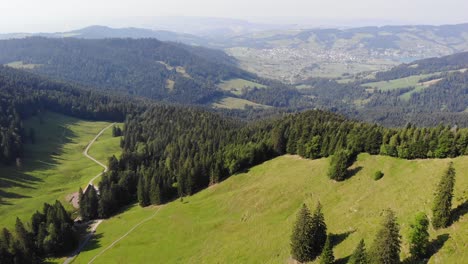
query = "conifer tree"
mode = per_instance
[
  {"x": 155, "y": 192},
  {"x": 300, "y": 239},
  {"x": 339, "y": 164},
  {"x": 142, "y": 192},
  {"x": 442, "y": 207},
  {"x": 327, "y": 256},
  {"x": 419, "y": 236},
  {"x": 318, "y": 232},
  {"x": 359, "y": 255},
  {"x": 386, "y": 246}
]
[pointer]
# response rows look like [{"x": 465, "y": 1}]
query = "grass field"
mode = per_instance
[
  {"x": 236, "y": 103},
  {"x": 21, "y": 65},
  {"x": 249, "y": 217},
  {"x": 235, "y": 86},
  {"x": 53, "y": 167},
  {"x": 411, "y": 81}
]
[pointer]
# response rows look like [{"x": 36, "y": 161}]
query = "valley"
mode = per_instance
[{"x": 54, "y": 166}]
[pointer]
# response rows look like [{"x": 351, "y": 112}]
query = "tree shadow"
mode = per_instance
[
  {"x": 343, "y": 260},
  {"x": 434, "y": 246},
  {"x": 93, "y": 243},
  {"x": 458, "y": 212},
  {"x": 336, "y": 239},
  {"x": 352, "y": 172}
]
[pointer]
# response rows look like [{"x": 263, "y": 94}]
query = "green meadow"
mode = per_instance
[
  {"x": 237, "y": 85},
  {"x": 54, "y": 166},
  {"x": 248, "y": 218}
]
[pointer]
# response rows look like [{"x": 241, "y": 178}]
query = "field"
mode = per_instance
[
  {"x": 249, "y": 217},
  {"x": 54, "y": 166},
  {"x": 236, "y": 103},
  {"x": 21, "y": 65},
  {"x": 411, "y": 81},
  {"x": 236, "y": 86}
]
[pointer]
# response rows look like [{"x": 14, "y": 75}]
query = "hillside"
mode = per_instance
[
  {"x": 54, "y": 166},
  {"x": 294, "y": 55},
  {"x": 144, "y": 67},
  {"x": 249, "y": 217}
]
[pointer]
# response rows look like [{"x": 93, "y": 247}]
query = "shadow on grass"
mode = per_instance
[
  {"x": 351, "y": 172},
  {"x": 458, "y": 212},
  {"x": 336, "y": 239},
  {"x": 343, "y": 260},
  {"x": 51, "y": 136},
  {"x": 94, "y": 243},
  {"x": 434, "y": 246}
]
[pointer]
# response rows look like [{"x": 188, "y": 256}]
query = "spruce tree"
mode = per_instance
[
  {"x": 318, "y": 232},
  {"x": 142, "y": 192},
  {"x": 327, "y": 253},
  {"x": 359, "y": 255},
  {"x": 155, "y": 192},
  {"x": 300, "y": 238},
  {"x": 386, "y": 246},
  {"x": 442, "y": 207},
  {"x": 419, "y": 236},
  {"x": 92, "y": 202},
  {"x": 339, "y": 164}
]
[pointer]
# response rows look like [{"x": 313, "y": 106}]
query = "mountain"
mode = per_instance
[
  {"x": 101, "y": 32},
  {"x": 295, "y": 55},
  {"x": 142, "y": 67}
]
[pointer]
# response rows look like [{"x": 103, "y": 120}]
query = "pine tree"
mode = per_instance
[
  {"x": 155, "y": 192},
  {"x": 300, "y": 239},
  {"x": 142, "y": 192},
  {"x": 93, "y": 202},
  {"x": 386, "y": 246},
  {"x": 419, "y": 236},
  {"x": 327, "y": 256},
  {"x": 318, "y": 233},
  {"x": 359, "y": 255},
  {"x": 82, "y": 203},
  {"x": 339, "y": 164},
  {"x": 442, "y": 207}
]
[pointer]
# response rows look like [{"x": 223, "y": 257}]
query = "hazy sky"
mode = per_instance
[{"x": 61, "y": 15}]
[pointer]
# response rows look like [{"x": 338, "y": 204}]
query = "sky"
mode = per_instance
[{"x": 63, "y": 15}]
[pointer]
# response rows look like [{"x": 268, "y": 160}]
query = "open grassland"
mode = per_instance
[
  {"x": 22, "y": 65},
  {"x": 411, "y": 81},
  {"x": 236, "y": 86},
  {"x": 249, "y": 217},
  {"x": 54, "y": 166},
  {"x": 236, "y": 103}
]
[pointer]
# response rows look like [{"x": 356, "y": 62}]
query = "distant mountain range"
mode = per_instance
[{"x": 292, "y": 55}]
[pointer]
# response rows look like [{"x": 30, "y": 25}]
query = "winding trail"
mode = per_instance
[
  {"x": 125, "y": 235},
  {"x": 98, "y": 221}
]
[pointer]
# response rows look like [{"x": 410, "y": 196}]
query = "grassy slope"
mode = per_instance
[
  {"x": 236, "y": 85},
  {"x": 60, "y": 143},
  {"x": 248, "y": 218},
  {"x": 399, "y": 83},
  {"x": 236, "y": 103}
]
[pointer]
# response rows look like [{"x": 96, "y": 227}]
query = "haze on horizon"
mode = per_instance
[{"x": 59, "y": 15}]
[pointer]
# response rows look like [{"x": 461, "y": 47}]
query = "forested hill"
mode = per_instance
[
  {"x": 431, "y": 65},
  {"x": 144, "y": 67}
]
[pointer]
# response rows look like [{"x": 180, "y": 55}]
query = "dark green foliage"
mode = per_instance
[
  {"x": 327, "y": 256},
  {"x": 359, "y": 255},
  {"x": 142, "y": 192},
  {"x": 116, "y": 131},
  {"x": 131, "y": 66},
  {"x": 154, "y": 192},
  {"x": 339, "y": 164},
  {"x": 318, "y": 233},
  {"x": 419, "y": 236},
  {"x": 378, "y": 175},
  {"x": 301, "y": 249},
  {"x": 386, "y": 246},
  {"x": 89, "y": 204},
  {"x": 51, "y": 235},
  {"x": 442, "y": 207}
]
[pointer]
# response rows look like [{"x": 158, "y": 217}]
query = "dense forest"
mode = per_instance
[{"x": 143, "y": 67}]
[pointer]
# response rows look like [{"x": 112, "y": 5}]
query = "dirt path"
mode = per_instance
[
  {"x": 74, "y": 197},
  {"x": 125, "y": 235}
]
